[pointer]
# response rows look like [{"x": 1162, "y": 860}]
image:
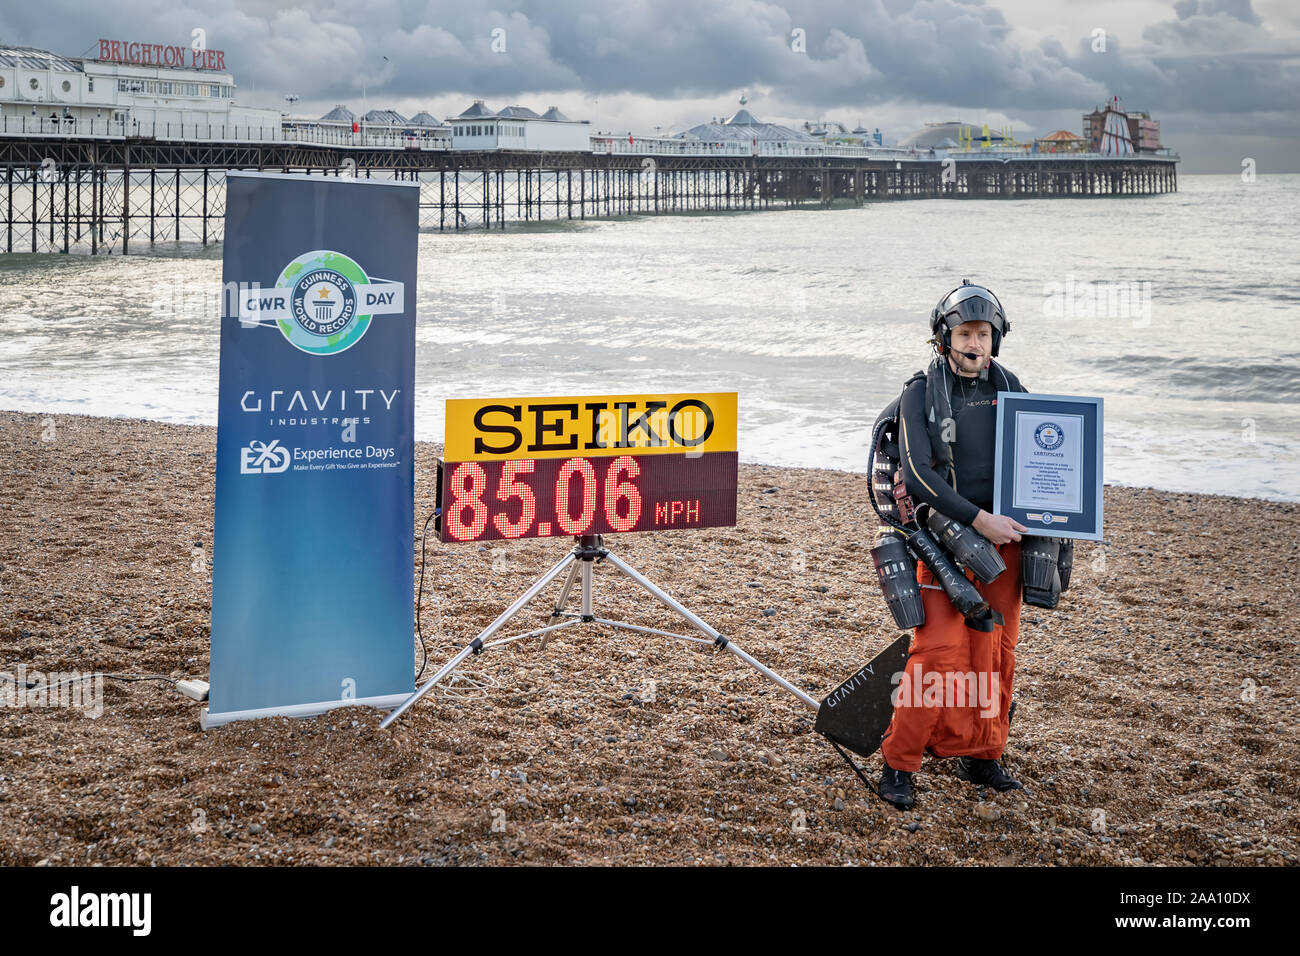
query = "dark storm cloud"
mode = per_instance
[
  {"x": 1238, "y": 9},
  {"x": 945, "y": 50},
  {"x": 820, "y": 54},
  {"x": 1215, "y": 57},
  {"x": 1210, "y": 55}
]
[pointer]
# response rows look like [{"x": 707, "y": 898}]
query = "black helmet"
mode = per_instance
[{"x": 968, "y": 303}]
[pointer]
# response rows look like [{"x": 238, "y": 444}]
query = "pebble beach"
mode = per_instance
[{"x": 1156, "y": 720}]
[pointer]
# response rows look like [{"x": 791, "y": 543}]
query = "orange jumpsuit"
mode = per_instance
[{"x": 945, "y": 645}]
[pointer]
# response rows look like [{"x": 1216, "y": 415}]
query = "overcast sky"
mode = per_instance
[{"x": 1221, "y": 76}]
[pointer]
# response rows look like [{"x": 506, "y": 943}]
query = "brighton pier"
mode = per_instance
[{"x": 78, "y": 187}]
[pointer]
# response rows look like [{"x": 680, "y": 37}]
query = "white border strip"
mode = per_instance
[{"x": 209, "y": 720}]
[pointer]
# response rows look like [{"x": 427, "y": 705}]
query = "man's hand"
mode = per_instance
[{"x": 998, "y": 528}]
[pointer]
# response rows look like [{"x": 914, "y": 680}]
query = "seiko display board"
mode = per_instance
[{"x": 542, "y": 467}]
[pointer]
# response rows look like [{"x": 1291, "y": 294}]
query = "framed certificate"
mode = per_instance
[{"x": 1047, "y": 471}]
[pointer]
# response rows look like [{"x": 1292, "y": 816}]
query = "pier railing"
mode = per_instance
[
  {"x": 984, "y": 155},
  {"x": 651, "y": 146},
  {"x": 370, "y": 137},
  {"x": 397, "y": 138}
]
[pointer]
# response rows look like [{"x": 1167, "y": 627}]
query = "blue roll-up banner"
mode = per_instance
[{"x": 312, "y": 561}]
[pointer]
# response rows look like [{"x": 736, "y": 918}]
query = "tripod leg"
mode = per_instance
[
  {"x": 470, "y": 648},
  {"x": 771, "y": 675},
  {"x": 564, "y": 592},
  {"x": 718, "y": 639},
  {"x": 564, "y": 599},
  {"x": 477, "y": 644},
  {"x": 588, "y": 573}
]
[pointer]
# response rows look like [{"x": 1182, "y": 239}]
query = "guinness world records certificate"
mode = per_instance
[{"x": 1047, "y": 471}]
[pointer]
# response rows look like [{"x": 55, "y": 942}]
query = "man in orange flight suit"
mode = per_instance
[{"x": 968, "y": 326}]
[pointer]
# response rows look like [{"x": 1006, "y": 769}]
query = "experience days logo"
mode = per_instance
[{"x": 323, "y": 302}]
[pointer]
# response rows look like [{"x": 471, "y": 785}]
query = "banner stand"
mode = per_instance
[
  {"x": 207, "y": 722},
  {"x": 588, "y": 551},
  {"x": 312, "y": 565}
]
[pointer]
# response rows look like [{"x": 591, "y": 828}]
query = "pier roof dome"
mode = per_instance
[
  {"x": 390, "y": 117},
  {"x": 340, "y": 114},
  {"x": 476, "y": 110},
  {"x": 745, "y": 126},
  {"x": 30, "y": 58}
]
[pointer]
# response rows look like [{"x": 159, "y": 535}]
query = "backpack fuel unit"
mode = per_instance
[{"x": 910, "y": 533}]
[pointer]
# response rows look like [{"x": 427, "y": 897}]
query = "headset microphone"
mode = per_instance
[{"x": 939, "y": 343}]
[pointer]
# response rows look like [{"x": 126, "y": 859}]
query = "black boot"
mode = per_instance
[
  {"x": 986, "y": 773},
  {"x": 896, "y": 787}
]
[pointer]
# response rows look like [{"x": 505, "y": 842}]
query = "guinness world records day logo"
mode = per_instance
[{"x": 323, "y": 317}]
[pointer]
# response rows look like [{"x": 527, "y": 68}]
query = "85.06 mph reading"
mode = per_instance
[{"x": 538, "y": 498}]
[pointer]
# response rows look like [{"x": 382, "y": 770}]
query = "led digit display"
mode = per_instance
[
  {"x": 543, "y": 467},
  {"x": 511, "y": 487}
]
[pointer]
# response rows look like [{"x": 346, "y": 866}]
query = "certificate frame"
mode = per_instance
[{"x": 1061, "y": 502}]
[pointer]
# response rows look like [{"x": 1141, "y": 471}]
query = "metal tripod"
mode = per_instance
[{"x": 580, "y": 562}]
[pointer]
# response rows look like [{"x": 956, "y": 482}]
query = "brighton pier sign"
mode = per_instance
[{"x": 196, "y": 56}]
